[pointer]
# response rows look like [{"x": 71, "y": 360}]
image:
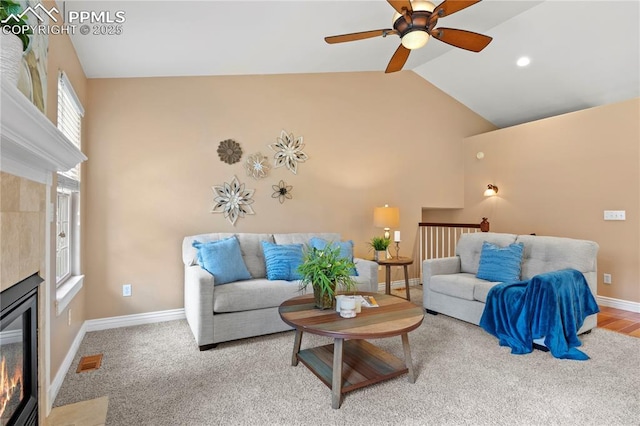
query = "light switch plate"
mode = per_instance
[{"x": 615, "y": 215}]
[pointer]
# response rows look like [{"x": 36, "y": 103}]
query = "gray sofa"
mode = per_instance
[
  {"x": 247, "y": 308},
  {"x": 451, "y": 287}
]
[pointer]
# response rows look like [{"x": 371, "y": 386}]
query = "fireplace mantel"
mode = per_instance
[{"x": 31, "y": 146}]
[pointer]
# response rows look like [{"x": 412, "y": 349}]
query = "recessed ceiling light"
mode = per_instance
[{"x": 523, "y": 61}]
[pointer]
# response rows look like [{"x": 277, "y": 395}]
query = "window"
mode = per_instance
[
  {"x": 70, "y": 113},
  {"x": 63, "y": 259},
  {"x": 68, "y": 275}
]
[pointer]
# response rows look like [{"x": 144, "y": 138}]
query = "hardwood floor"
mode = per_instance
[{"x": 625, "y": 322}]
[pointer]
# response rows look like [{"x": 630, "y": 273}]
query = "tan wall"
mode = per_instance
[
  {"x": 152, "y": 163},
  {"x": 62, "y": 57},
  {"x": 556, "y": 177}
]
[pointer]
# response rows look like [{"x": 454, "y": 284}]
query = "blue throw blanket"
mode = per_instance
[{"x": 552, "y": 305}]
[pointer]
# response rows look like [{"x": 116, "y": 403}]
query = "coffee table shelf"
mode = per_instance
[
  {"x": 351, "y": 362},
  {"x": 362, "y": 364}
]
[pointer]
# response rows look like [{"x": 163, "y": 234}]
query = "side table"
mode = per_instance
[{"x": 395, "y": 261}]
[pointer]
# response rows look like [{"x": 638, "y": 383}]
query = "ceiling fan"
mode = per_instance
[{"x": 414, "y": 21}]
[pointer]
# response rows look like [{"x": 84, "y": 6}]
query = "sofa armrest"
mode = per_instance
[
  {"x": 368, "y": 270},
  {"x": 442, "y": 266},
  {"x": 198, "y": 303}
]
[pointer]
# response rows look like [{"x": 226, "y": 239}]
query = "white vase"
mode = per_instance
[{"x": 10, "y": 57}]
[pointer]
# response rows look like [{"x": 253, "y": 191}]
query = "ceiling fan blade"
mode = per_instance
[
  {"x": 399, "y": 4},
  {"x": 463, "y": 39},
  {"x": 359, "y": 36},
  {"x": 447, "y": 7},
  {"x": 398, "y": 59}
]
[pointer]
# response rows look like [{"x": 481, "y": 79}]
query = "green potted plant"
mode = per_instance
[
  {"x": 15, "y": 34},
  {"x": 379, "y": 246},
  {"x": 8, "y": 8},
  {"x": 325, "y": 269}
]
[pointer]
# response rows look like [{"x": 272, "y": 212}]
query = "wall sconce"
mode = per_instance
[
  {"x": 386, "y": 217},
  {"x": 491, "y": 190}
]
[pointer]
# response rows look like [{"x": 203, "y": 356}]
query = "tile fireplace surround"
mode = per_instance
[{"x": 32, "y": 150}]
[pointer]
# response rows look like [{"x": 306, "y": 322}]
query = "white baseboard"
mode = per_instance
[
  {"x": 56, "y": 383},
  {"x": 104, "y": 324},
  {"x": 618, "y": 304},
  {"x": 135, "y": 319}
]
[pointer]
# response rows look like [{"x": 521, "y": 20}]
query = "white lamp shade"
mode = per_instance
[{"x": 386, "y": 217}]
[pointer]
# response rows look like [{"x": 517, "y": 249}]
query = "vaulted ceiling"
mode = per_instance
[{"x": 583, "y": 53}]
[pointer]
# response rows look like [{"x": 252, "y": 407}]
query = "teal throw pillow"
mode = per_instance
[
  {"x": 346, "y": 249},
  {"x": 282, "y": 260},
  {"x": 500, "y": 264},
  {"x": 223, "y": 260}
]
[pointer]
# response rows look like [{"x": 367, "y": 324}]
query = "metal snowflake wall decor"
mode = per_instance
[
  {"x": 282, "y": 191},
  {"x": 257, "y": 165},
  {"x": 288, "y": 151},
  {"x": 229, "y": 151},
  {"x": 233, "y": 200}
]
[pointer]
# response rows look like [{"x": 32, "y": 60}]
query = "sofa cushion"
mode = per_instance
[
  {"x": 456, "y": 285},
  {"x": 469, "y": 248},
  {"x": 223, "y": 260},
  {"x": 249, "y": 245},
  {"x": 303, "y": 238},
  {"x": 481, "y": 289},
  {"x": 501, "y": 264},
  {"x": 547, "y": 254},
  {"x": 253, "y": 294},
  {"x": 282, "y": 260},
  {"x": 346, "y": 249}
]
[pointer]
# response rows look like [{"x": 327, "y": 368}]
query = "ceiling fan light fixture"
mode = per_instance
[
  {"x": 425, "y": 6},
  {"x": 415, "y": 39}
]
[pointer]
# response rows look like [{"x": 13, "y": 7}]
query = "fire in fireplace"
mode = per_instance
[
  {"x": 11, "y": 384},
  {"x": 19, "y": 353}
]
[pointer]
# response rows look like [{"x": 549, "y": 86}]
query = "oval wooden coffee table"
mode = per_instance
[{"x": 351, "y": 362}]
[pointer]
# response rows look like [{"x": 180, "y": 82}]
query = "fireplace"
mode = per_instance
[{"x": 19, "y": 353}]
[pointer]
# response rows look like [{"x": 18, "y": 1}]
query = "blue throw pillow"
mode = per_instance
[
  {"x": 282, "y": 261},
  {"x": 346, "y": 249},
  {"x": 500, "y": 264},
  {"x": 223, "y": 260}
]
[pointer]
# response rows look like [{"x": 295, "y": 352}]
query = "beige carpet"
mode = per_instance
[{"x": 154, "y": 375}]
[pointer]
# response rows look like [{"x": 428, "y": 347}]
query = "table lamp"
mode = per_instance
[{"x": 386, "y": 217}]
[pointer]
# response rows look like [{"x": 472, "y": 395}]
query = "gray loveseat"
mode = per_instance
[
  {"x": 219, "y": 313},
  {"x": 451, "y": 287}
]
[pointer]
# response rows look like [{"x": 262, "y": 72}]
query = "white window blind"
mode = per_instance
[{"x": 70, "y": 113}]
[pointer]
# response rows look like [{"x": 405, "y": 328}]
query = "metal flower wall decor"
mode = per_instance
[
  {"x": 233, "y": 200},
  {"x": 257, "y": 166},
  {"x": 282, "y": 191},
  {"x": 288, "y": 151},
  {"x": 229, "y": 151}
]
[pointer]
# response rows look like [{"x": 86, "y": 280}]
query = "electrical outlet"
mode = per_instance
[
  {"x": 607, "y": 278},
  {"x": 126, "y": 290},
  {"x": 69, "y": 317}
]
